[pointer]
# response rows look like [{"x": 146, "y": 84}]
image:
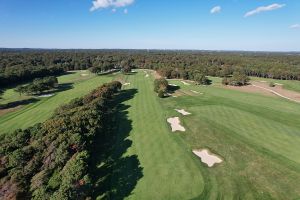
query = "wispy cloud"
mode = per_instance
[
  {"x": 215, "y": 9},
  {"x": 294, "y": 26},
  {"x": 101, "y": 4},
  {"x": 258, "y": 10}
]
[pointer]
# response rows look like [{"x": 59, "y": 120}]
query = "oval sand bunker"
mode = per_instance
[
  {"x": 175, "y": 124},
  {"x": 208, "y": 158},
  {"x": 183, "y": 112}
]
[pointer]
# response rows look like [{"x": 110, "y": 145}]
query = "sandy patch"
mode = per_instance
[
  {"x": 264, "y": 88},
  {"x": 185, "y": 83},
  {"x": 279, "y": 91},
  {"x": 174, "y": 85},
  {"x": 196, "y": 92},
  {"x": 147, "y": 75},
  {"x": 46, "y": 95},
  {"x": 278, "y": 84},
  {"x": 207, "y": 157},
  {"x": 175, "y": 124},
  {"x": 171, "y": 95},
  {"x": 183, "y": 112},
  {"x": 126, "y": 84},
  {"x": 84, "y": 74}
]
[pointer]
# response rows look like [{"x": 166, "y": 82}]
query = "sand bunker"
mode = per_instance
[
  {"x": 84, "y": 74},
  {"x": 278, "y": 84},
  {"x": 183, "y": 112},
  {"x": 207, "y": 157},
  {"x": 174, "y": 85},
  {"x": 126, "y": 84},
  {"x": 175, "y": 124},
  {"x": 185, "y": 83},
  {"x": 196, "y": 92},
  {"x": 46, "y": 95},
  {"x": 169, "y": 94},
  {"x": 147, "y": 75}
]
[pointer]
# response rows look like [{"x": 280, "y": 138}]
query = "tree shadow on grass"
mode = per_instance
[
  {"x": 61, "y": 88},
  {"x": 172, "y": 88},
  {"x": 115, "y": 175},
  {"x": 18, "y": 103}
]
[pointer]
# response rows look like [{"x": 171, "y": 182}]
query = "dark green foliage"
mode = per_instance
[
  {"x": 50, "y": 160},
  {"x": 161, "y": 87},
  {"x": 38, "y": 86},
  {"x": 239, "y": 78},
  {"x": 161, "y": 94},
  {"x": 126, "y": 65},
  {"x": 1, "y": 92},
  {"x": 201, "y": 79},
  {"x": 271, "y": 84},
  {"x": 22, "y": 66}
]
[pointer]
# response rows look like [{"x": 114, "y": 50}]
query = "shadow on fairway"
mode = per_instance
[
  {"x": 115, "y": 175},
  {"x": 172, "y": 88},
  {"x": 18, "y": 103}
]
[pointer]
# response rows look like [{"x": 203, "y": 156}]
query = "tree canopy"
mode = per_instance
[{"x": 50, "y": 160}]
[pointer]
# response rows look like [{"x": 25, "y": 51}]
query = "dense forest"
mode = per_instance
[
  {"x": 18, "y": 66},
  {"x": 51, "y": 160}
]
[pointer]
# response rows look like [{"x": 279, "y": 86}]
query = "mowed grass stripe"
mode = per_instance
[{"x": 169, "y": 171}]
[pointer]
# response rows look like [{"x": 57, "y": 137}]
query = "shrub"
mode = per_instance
[{"x": 271, "y": 84}]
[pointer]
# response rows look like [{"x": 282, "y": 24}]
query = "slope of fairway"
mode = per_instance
[
  {"x": 257, "y": 136},
  {"x": 169, "y": 170},
  {"x": 43, "y": 109}
]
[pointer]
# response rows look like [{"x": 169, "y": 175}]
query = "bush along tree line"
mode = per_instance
[
  {"x": 161, "y": 87},
  {"x": 38, "y": 86},
  {"x": 50, "y": 160},
  {"x": 237, "y": 79}
]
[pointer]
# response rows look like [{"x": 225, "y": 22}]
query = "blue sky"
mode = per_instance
[{"x": 151, "y": 24}]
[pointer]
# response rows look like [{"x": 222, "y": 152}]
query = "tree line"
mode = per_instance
[
  {"x": 51, "y": 159},
  {"x": 22, "y": 66}
]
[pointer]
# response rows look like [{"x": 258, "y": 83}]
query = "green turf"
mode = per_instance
[
  {"x": 43, "y": 109},
  {"x": 169, "y": 169},
  {"x": 258, "y": 137}
]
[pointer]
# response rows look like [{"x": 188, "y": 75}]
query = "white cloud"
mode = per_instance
[
  {"x": 215, "y": 9},
  {"x": 294, "y": 26},
  {"x": 274, "y": 6},
  {"x": 101, "y": 4},
  {"x": 125, "y": 11}
]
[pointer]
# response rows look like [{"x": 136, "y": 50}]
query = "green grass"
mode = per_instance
[
  {"x": 258, "y": 137},
  {"x": 169, "y": 170},
  {"x": 43, "y": 109}
]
